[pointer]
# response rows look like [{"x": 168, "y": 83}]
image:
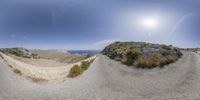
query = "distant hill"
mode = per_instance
[
  {"x": 50, "y": 50},
  {"x": 141, "y": 54},
  {"x": 60, "y": 55},
  {"x": 51, "y": 54}
]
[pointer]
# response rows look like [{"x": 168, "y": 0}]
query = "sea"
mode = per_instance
[{"x": 84, "y": 51}]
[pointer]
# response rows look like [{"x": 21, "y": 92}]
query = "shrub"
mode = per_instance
[
  {"x": 17, "y": 71},
  {"x": 171, "y": 58},
  {"x": 146, "y": 62},
  {"x": 34, "y": 55},
  {"x": 154, "y": 60},
  {"x": 131, "y": 55},
  {"x": 75, "y": 71},
  {"x": 37, "y": 80},
  {"x": 166, "y": 47},
  {"x": 84, "y": 65}
]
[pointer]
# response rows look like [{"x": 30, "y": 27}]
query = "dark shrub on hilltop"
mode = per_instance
[
  {"x": 141, "y": 54},
  {"x": 132, "y": 55},
  {"x": 167, "y": 47}
]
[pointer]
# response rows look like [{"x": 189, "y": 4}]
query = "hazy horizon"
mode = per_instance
[{"x": 93, "y": 24}]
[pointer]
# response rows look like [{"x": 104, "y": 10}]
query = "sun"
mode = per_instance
[{"x": 150, "y": 23}]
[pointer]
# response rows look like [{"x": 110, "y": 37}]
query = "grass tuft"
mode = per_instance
[
  {"x": 17, "y": 71},
  {"x": 38, "y": 80}
]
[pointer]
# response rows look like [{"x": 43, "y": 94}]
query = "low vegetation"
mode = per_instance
[
  {"x": 60, "y": 56},
  {"x": 153, "y": 60},
  {"x": 77, "y": 70},
  {"x": 84, "y": 65},
  {"x": 167, "y": 47},
  {"x": 17, "y": 71},
  {"x": 38, "y": 80},
  {"x": 141, "y": 54}
]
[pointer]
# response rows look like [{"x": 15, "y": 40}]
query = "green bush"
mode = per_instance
[
  {"x": 131, "y": 55},
  {"x": 166, "y": 47},
  {"x": 75, "y": 71},
  {"x": 84, "y": 65},
  {"x": 34, "y": 55}
]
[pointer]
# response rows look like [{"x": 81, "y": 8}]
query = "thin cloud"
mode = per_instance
[{"x": 13, "y": 35}]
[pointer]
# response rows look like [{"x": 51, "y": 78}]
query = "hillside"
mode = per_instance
[
  {"x": 53, "y": 54},
  {"x": 141, "y": 54},
  {"x": 60, "y": 55},
  {"x": 19, "y": 52}
]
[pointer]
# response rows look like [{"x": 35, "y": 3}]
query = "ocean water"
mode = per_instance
[{"x": 84, "y": 51}]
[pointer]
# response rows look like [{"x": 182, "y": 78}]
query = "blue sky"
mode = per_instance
[{"x": 93, "y": 24}]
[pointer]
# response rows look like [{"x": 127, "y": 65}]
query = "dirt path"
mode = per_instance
[
  {"x": 109, "y": 80},
  {"x": 39, "y": 72}
]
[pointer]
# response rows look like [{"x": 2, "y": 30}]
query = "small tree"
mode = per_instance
[
  {"x": 75, "y": 71},
  {"x": 85, "y": 65}
]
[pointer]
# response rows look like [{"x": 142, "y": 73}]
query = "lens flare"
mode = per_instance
[{"x": 150, "y": 23}]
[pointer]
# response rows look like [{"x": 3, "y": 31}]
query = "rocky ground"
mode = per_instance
[{"x": 141, "y": 54}]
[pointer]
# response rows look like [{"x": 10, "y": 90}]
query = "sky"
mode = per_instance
[{"x": 93, "y": 24}]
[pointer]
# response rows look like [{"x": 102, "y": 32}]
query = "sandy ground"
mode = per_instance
[
  {"x": 109, "y": 80},
  {"x": 198, "y": 52},
  {"x": 41, "y": 62},
  {"x": 39, "y": 72}
]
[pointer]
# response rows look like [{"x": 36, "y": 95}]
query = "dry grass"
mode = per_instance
[
  {"x": 10, "y": 66},
  {"x": 61, "y": 56},
  {"x": 38, "y": 80},
  {"x": 1, "y": 57},
  {"x": 154, "y": 60},
  {"x": 17, "y": 71},
  {"x": 92, "y": 60},
  {"x": 41, "y": 62}
]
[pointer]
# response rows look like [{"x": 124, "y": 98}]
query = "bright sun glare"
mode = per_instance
[{"x": 150, "y": 23}]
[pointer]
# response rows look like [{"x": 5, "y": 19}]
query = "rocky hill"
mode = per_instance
[{"x": 141, "y": 54}]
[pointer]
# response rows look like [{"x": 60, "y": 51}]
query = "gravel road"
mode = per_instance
[{"x": 109, "y": 80}]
